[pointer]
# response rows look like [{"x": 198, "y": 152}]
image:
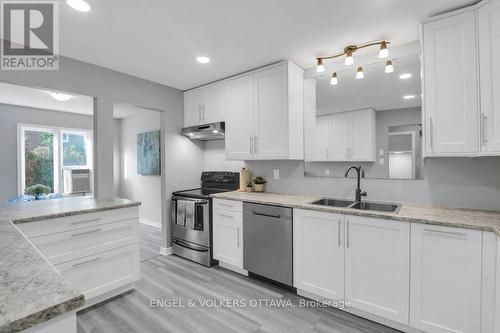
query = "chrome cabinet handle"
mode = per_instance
[
  {"x": 199, "y": 112},
  {"x": 203, "y": 111},
  {"x": 431, "y": 133},
  {"x": 87, "y": 262},
  {"x": 251, "y": 143},
  {"x": 347, "y": 237},
  {"x": 255, "y": 144},
  {"x": 446, "y": 232},
  {"x": 338, "y": 231},
  {"x": 238, "y": 238},
  {"x": 326, "y": 153},
  {"x": 484, "y": 118},
  {"x": 86, "y": 232},
  {"x": 86, "y": 221}
]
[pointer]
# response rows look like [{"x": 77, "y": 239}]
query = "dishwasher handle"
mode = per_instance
[{"x": 275, "y": 216}]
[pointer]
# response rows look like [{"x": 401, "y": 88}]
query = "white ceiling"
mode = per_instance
[
  {"x": 377, "y": 90},
  {"x": 39, "y": 98},
  {"x": 159, "y": 40}
]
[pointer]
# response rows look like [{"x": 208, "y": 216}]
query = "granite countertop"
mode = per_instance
[
  {"x": 486, "y": 220},
  {"x": 31, "y": 289}
]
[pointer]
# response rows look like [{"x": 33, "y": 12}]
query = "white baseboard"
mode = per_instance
[
  {"x": 166, "y": 251},
  {"x": 151, "y": 223}
]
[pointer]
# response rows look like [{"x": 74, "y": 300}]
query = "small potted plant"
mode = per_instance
[
  {"x": 259, "y": 183},
  {"x": 38, "y": 191},
  {"x": 249, "y": 187}
]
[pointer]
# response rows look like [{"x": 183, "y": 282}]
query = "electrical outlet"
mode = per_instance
[
  {"x": 327, "y": 172},
  {"x": 276, "y": 174},
  {"x": 381, "y": 161},
  {"x": 381, "y": 152}
]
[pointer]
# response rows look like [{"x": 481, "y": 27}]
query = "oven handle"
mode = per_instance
[
  {"x": 198, "y": 201},
  {"x": 189, "y": 246}
]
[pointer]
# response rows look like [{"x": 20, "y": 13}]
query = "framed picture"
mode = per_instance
[{"x": 148, "y": 153}]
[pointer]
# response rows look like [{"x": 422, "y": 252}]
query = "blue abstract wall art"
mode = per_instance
[{"x": 148, "y": 153}]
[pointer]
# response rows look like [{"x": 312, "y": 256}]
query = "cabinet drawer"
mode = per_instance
[
  {"x": 102, "y": 272},
  {"x": 231, "y": 205},
  {"x": 68, "y": 223},
  {"x": 227, "y": 217},
  {"x": 70, "y": 245}
]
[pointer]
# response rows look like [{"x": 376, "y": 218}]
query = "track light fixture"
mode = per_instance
[
  {"x": 360, "y": 74},
  {"x": 350, "y": 49}
]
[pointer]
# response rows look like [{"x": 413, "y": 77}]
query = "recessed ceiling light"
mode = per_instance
[
  {"x": 408, "y": 96},
  {"x": 203, "y": 59},
  {"x": 60, "y": 96},
  {"x": 405, "y": 76},
  {"x": 80, "y": 5}
]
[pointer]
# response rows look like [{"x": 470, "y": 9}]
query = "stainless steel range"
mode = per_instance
[{"x": 192, "y": 216}]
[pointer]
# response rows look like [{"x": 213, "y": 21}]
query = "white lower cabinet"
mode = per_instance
[
  {"x": 377, "y": 266},
  {"x": 97, "y": 252},
  {"x": 319, "y": 253},
  {"x": 228, "y": 233},
  {"x": 446, "y": 279}
]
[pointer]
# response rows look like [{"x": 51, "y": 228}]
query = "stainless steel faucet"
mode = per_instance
[{"x": 361, "y": 173}]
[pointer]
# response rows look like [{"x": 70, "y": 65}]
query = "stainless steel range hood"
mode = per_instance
[{"x": 213, "y": 131}]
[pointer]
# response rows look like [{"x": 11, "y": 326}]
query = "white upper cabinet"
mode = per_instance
[
  {"x": 352, "y": 136},
  {"x": 488, "y": 19},
  {"x": 377, "y": 267},
  {"x": 461, "y": 62},
  {"x": 240, "y": 118},
  {"x": 319, "y": 253},
  {"x": 265, "y": 114},
  {"x": 451, "y": 85},
  {"x": 445, "y": 292},
  {"x": 204, "y": 105}
]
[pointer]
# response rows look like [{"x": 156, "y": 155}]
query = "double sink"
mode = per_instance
[{"x": 362, "y": 205}]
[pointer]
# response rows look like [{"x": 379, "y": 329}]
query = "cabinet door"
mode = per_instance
[
  {"x": 322, "y": 147},
  {"x": 319, "y": 253},
  {"x": 489, "y": 60},
  {"x": 339, "y": 137},
  {"x": 377, "y": 266},
  {"x": 446, "y": 279},
  {"x": 193, "y": 102},
  {"x": 450, "y": 82},
  {"x": 214, "y": 107},
  {"x": 228, "y": 238},
  {"x": 362, "y": 135},
  {"x": 271, "y": 113},
  {"x": 240, "y": 118}
]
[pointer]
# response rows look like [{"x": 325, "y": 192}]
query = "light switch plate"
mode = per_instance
[
  {"x": 381, "y": 161},
  {"x": 276, "y": 173}
]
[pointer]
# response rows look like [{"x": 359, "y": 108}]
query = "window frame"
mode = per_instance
[{"x": 58, "y": 153}]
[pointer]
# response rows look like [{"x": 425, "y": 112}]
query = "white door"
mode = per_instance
[
  {"x": 193, "y": 102},
  {"x": 362, "y": 135},
  {"x": 214, "y": 108},
  {"x": 271, "y": 113},
  {"x": 446, "y": 279},
  {"x": 319, "y": 253},
  {"x": 339, "y": 137},
  {"x": 377, "y": 267},
  {"x": 489, "y": 60},
  {"x": 240, "y": 118},
  {"x": 228, "y": 239},
  {"x": 450, "y": 81}
]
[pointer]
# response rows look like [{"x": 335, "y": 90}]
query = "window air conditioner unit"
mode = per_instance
[{"x": 77, "y": 181}]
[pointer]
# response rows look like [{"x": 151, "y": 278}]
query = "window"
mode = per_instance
[{"x": 49, "y": 156}]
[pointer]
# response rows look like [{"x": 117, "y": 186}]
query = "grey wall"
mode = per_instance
[
  {"x": 214, "y": 158},
  {"x": 10, "y": 116},
  {"x": 146, "y": 189},
  {"x": 183, "y": 158},
  {"x": 459, "y": 182}
]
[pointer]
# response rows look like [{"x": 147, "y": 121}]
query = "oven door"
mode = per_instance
[{"x": 199, "y": 233}]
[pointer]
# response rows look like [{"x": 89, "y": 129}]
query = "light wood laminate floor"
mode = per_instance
[
  {"x": 176, "y": 279},
  {"x": 149, "y": 241}
]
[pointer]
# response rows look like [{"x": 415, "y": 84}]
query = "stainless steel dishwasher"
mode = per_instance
[{"x": 267, "y": 242}]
